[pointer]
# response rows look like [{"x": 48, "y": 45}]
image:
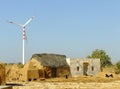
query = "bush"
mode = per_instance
[
  {"x": 20, "y": 65},
  {"x": 117, "y": 68}
]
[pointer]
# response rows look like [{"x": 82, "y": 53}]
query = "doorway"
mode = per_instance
[
  {"x": 54, "y": 72},
  {"x": 85, "y": 68}
]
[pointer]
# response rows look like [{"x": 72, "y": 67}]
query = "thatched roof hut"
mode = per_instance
[{"x": 46, "y": 66}]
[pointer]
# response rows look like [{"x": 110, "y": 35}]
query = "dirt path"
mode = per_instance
[{"x": 69, "y": 85}]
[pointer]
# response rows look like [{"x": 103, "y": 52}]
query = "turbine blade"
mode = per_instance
[
  {"x": 28, "y": 21},
  {"x": 15, "y": 23}
]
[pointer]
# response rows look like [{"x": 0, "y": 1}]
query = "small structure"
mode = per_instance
[
  {"x": 84, "y": 67},
  {"x": 2, "y": 74},
  {"x": 43, "y": 66}
]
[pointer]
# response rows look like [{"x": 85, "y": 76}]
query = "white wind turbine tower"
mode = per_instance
[{"x": 23, "y": 35}]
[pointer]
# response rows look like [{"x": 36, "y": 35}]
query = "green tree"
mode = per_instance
[{"x": 104, "y": 58}]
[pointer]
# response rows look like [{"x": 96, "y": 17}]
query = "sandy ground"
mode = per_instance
[
  {"x": 99, "y": 81},
  {"x": 67, "y": 85}
]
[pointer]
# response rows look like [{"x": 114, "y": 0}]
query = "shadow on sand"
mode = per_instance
[{"x": 14, "y": 84}]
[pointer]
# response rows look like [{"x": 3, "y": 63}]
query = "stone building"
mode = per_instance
[{"x": 84, "y": 67}]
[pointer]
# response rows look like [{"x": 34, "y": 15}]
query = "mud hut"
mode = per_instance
[
  {"x": 46, "y": 66},
  {"x": 2, "y": 74}
]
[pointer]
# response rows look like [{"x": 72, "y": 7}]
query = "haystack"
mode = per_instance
[
  {"x": 2, "y": 74},
  {"x": 13, "y": 73}
]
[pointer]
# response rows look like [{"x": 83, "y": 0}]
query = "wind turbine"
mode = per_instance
[{"x": 23, "y": 36}]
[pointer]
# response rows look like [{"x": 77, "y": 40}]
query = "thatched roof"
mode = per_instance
[{"x": 51, "y": 60}]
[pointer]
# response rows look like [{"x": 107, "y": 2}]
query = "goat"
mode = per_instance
[{"x": 106, "y": 75}]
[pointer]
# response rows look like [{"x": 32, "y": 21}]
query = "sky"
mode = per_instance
[{"x": 74, "y": 28}]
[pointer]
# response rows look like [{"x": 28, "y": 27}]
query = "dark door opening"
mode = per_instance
[
  {"x": 85, "y": 68},
  {"x": 54, "y": 72}
]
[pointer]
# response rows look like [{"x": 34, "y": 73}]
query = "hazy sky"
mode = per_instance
[{"x": 71, "y": 27}]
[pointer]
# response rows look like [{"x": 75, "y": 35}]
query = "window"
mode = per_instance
[
  {"x": 35, "y": 79},
  {"x": 29, "y": 79},
  {"x": 77, "y": 68},
  {"x": 92, "y": 68}
]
